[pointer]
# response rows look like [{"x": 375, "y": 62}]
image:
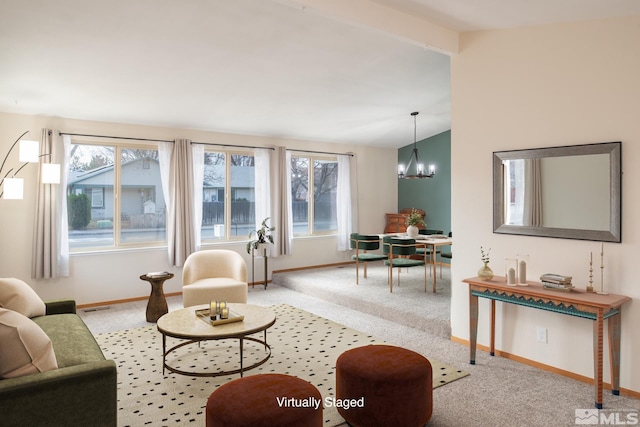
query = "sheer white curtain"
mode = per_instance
[
  {"x": 343, "y": 202},
  {"x": 50, "y": 251},
  {"x": 197, "y": 151},
  {"x": 262, "y": 172},
  {"x": 180, "y": 188}
]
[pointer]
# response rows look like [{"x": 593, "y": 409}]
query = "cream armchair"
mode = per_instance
[{"x": 217, "y": 274}]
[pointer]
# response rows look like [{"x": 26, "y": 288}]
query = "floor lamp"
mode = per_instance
[{"x": 12, "y": 187}]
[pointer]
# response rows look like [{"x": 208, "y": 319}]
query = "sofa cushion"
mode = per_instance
[
  {"x": 72, "y": 341},
  {"x": 25, "y": 349},
  {"x": 17, "y": 296}
]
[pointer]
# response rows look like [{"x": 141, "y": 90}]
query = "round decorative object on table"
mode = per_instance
[
  {"x": 485, "y": 272},
  {"x": 264, "y": 400},
  {"x": 412, "y": 231},
  {"x": 157, "y": 305}
]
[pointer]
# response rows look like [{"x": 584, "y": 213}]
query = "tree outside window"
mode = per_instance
[
  {"x": 313, "y": 195},
  {"x": 124, "y": 189}
]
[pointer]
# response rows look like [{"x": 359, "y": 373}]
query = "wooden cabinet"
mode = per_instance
[{"x": 396, "y": 223}]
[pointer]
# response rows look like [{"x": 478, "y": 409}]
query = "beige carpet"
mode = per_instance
[
  {"x": 303, "y": 344},
  {"x": 408, "y": 305}
]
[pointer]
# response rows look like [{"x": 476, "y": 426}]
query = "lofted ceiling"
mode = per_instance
[{"x": 259, "y": 67}]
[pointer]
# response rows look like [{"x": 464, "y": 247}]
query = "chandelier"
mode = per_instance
[{"x": 415, "y": 169}]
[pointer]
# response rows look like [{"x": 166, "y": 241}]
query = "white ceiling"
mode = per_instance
[
  {"x": 257, "y": 67},
  {"x": 472, "y": 15}
]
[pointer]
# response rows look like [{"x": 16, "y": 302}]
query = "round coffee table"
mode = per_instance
[{"x": 185, "y": 324}]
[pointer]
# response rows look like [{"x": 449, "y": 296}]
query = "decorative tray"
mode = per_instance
[{"x": 204, "y": 316}]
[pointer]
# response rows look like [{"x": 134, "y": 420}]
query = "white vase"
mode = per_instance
[
  {"x": 262, "y": 249},
  {"x": 412, "y": 231}
]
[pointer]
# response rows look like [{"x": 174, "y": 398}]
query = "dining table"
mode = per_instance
[{"x": 433, "y": 242}]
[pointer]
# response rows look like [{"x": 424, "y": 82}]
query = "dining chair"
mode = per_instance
[
  {"x": 401, "y": 253},
  {"x": 363, "y": 243}
]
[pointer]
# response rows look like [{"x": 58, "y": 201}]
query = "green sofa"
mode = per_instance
[{"x": 81, "y": 392}]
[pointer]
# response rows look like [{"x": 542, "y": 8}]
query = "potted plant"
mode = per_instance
[
  {"x": 414, "y": 220},
  {"x": 263, "y": 237},
  {"x": 485, "y": 272}
]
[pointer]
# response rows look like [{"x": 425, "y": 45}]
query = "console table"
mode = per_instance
[{"x": 576, "y": 303}]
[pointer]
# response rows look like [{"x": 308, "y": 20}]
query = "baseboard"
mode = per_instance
[
  {"x": 548, "y": 368},
  {"x": 120, "y": 301},
  {"x": 311, "y": 267}
]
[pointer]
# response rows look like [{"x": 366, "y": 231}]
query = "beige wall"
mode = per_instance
[
  {"x": 108, "y": 276},
  {"x": 534, "y": 87}
]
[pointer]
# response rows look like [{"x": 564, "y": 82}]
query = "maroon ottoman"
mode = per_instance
[
  {"x": 265, "y": 400},
  {"x": 396, "y": 383}
]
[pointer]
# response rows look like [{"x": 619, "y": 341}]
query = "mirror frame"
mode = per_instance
[{"x": 614, "y": 234}]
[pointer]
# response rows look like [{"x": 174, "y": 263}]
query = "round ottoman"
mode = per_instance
[
  {"x": 265, "y": 400},
  {"x": 396, "y": 385}
]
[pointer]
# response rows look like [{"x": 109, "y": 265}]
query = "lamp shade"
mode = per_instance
[
  {"x": 50, "y": 173},
  {"x": 29, "y": 151},
  {"x": 13, "y": 188}
]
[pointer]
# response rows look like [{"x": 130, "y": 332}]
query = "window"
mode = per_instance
[
  {"x": 115, "y": 196},
  {"x": 97, "y": 197},
  {"x": 232, "y": 174},
  {"x": 313, "y": 195}
]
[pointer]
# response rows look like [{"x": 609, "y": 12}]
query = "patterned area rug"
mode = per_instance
[{"x": 303, "y": 345}]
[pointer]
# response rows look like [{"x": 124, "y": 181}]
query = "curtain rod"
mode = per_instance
[
  {"x": 229, "y": 145},
  {"x": 201, "y": 143},
  {"x": 320, "y": 152},
  {"x": 160, "y": 140},
  {"x": 115, "y": 137}
]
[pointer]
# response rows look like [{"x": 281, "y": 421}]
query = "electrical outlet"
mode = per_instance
[{"x": 542, "y": 335}]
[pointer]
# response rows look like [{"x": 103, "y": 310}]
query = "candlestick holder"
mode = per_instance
[
  {"x": 601, "y": 291},
  {"x": 590, "y": 287}
]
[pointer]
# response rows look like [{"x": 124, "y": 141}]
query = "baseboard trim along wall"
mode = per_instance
[{"x": 548, "y": 368}]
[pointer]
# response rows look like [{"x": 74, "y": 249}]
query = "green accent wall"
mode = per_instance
[{"x": 433, "y": 195}]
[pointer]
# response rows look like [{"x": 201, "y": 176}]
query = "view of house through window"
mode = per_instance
[
  {"x": 313, "y": 195},
  {"x": 234, "y": 216},
  {"x": 114, "y": 196}
]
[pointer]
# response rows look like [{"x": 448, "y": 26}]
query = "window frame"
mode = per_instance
[
  {"x": 311, "y": 159},
  {"x": 228, "y": 193},
  {"x": 116, "y": 230}
]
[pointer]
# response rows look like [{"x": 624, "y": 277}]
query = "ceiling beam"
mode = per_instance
[{"x": 367, "y": 13}]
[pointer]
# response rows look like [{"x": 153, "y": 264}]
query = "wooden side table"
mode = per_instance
[{"x": 157, "y": 305}]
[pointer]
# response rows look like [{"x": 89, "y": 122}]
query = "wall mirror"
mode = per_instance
[{"x": 570, "y": 192}]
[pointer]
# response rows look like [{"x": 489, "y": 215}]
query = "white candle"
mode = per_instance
[
  {"x": 224, "y": 313},
  {"x": 522, "y": 272},
  {"x": 213, "y": 309},
  {"x": 512, "y": 276}
]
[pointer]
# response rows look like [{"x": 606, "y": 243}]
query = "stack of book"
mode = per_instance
[
  {"x": 556, "y": 282},
  {"x": 157, "y": 274}
]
